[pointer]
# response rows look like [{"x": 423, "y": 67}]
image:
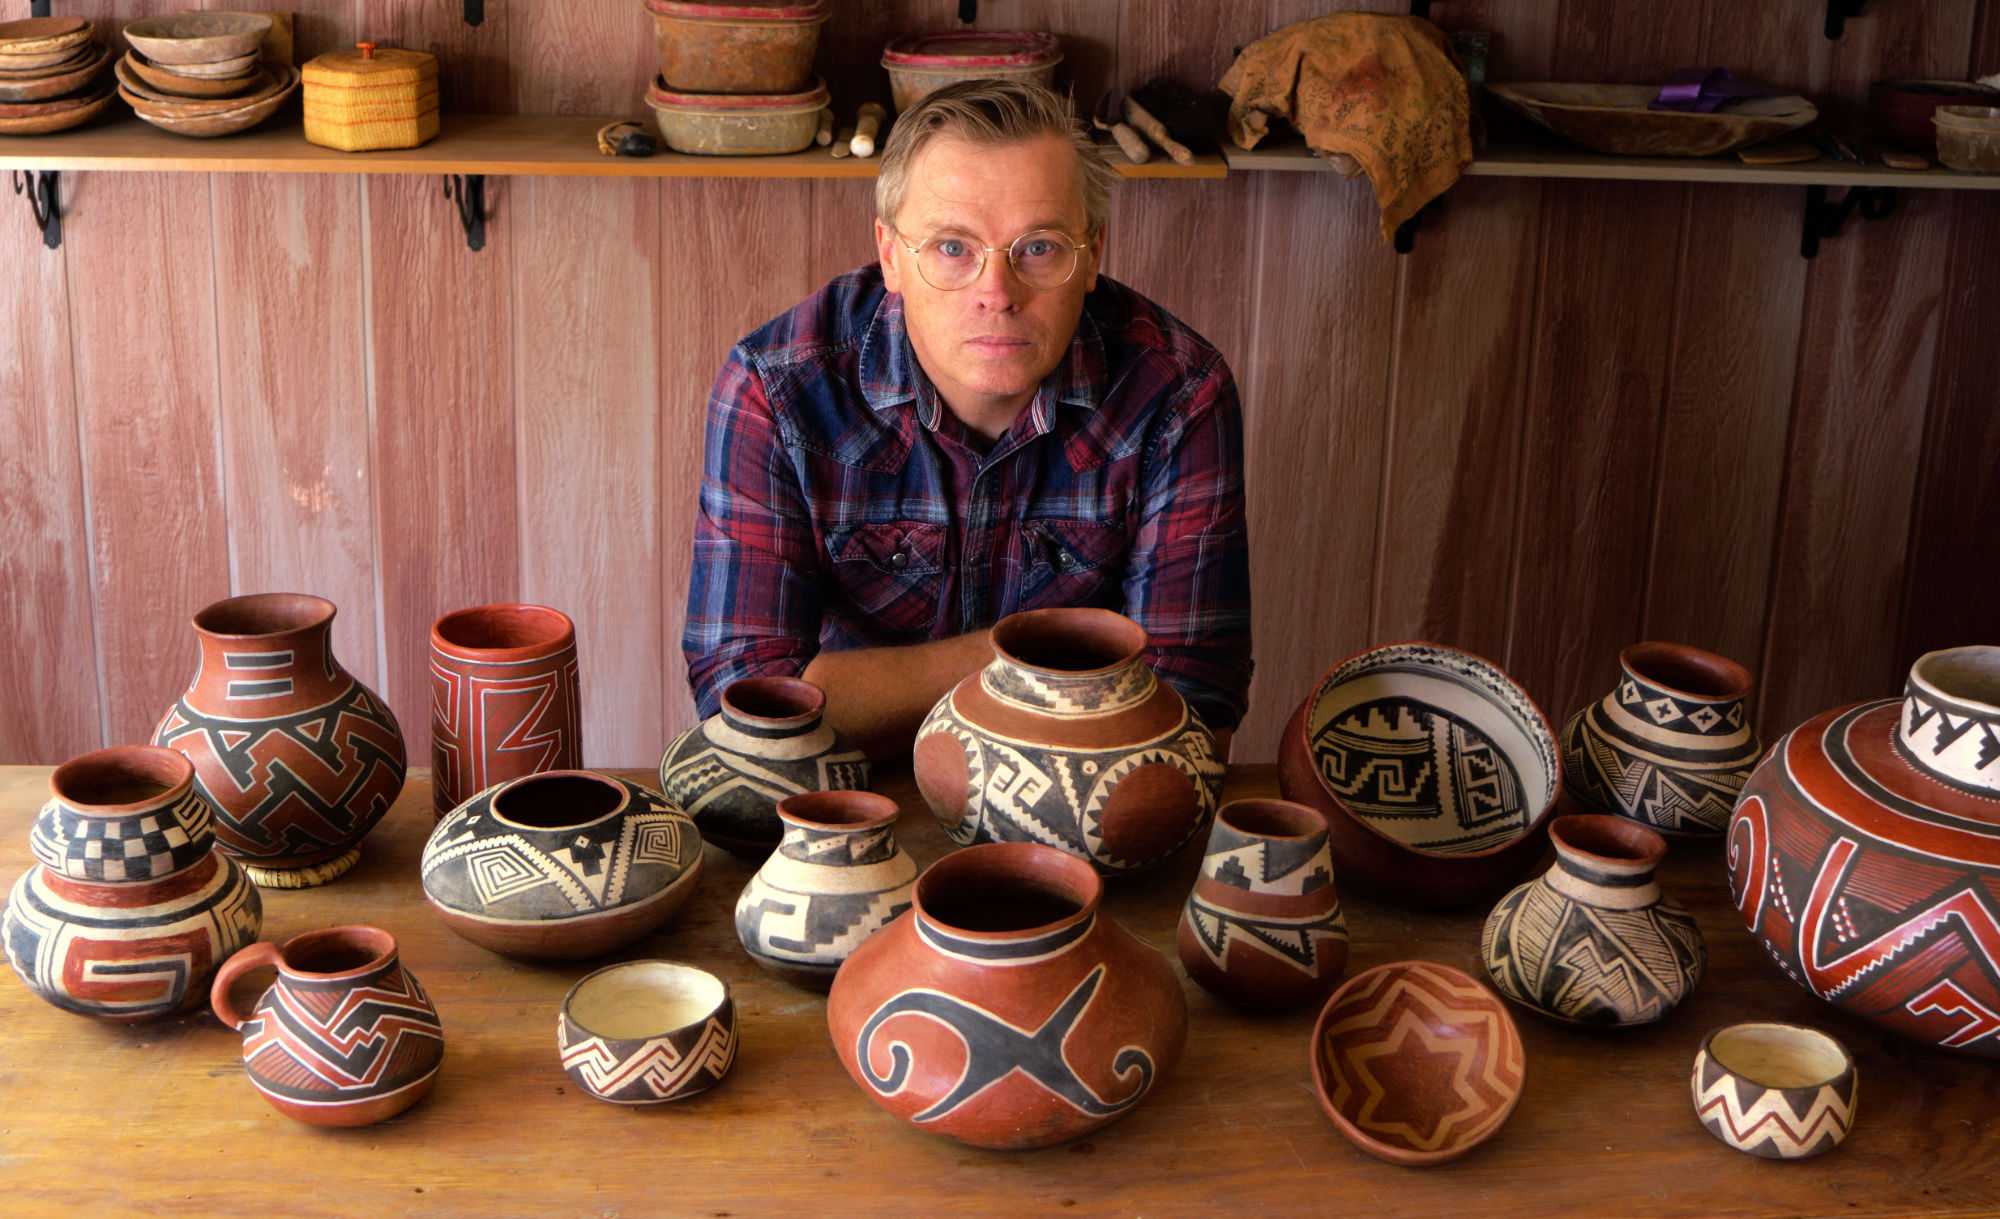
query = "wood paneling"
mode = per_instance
[
  {"x": 48, "y": 650},
  {"x": 549, "y": 41},
  {"x": 586, "y": 388},
  {"x": 142, "y": 318},
  {"x": 474, "y": 70},
  {"x": 294, "y": 397}
]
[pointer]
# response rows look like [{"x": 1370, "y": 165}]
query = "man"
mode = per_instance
[{"x": 977, "y": 425}]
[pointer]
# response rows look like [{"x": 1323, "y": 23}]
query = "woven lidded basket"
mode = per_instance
[{"x": 369, "y": 98}]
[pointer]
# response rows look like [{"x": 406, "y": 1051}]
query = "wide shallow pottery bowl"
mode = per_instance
[
  {"x": 737, "y": 124},
  {"x": 39, "y": 63},
  {"x": 221, "y": 67},
  {"x": 1865, "y": 855},
  {"x": 44, "y": 118},
  {"x": 173, "y": 84},
  {"x": 644, "y": 1032},
  {"x": 70, "y": 81},
  {"x": 1416, "y": 1063},
  {"x": 198, "y": 37},
  {"x": 1781, "y": 1091},
  {"x": 262, "y": 83},
  {"x": 205, "y": 125},
  {"x": 40, "y": 34},
  {"x": 1615, "y": 119},
  {"x": 1435, "y": 772},
  {"x": 560, "y": 866}
]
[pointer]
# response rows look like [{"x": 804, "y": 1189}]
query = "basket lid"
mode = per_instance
[
  {"x": 973, "y": 49},
  {"x": 742, "y": 10},
  {"x": 658, "y": 95},
  {"x": 375, "y": 65}
]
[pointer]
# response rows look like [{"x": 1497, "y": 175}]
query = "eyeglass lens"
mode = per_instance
[{"x": 1043, "y": 259}]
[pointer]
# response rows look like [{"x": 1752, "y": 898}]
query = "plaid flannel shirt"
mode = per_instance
[{"x": 843, "y": 506}]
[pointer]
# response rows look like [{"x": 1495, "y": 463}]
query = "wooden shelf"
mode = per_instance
[
  {"x": 1513, "y": 159},
  {"x": 493, "y": 144}
]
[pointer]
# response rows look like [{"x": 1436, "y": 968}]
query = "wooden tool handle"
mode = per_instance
[
  {"x": 1128, "y": 140},
  {"x": 843, "y": 144},
  {"x": 866, "y": 124},
  {"x": 824, "y": 135},
  {"x": 1156, "y": 131}
]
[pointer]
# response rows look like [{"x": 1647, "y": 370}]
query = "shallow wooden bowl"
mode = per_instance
[
  {"x": 1416, "y": 1063},
  {"x": 173, "y": 84},
  {"x": 225, "y": 122},
  {"x": 70, "y": 81},
  {"x": 237, "y": 66},
  {"x": 56, "y": 116},
  {"x": 198, "y": 37},
  {"x": 41, "y": 62},
  {"x": 263, "y": 83},
  {"x": 43, "y": 34},
  {"x": 1614, "y": 119}
]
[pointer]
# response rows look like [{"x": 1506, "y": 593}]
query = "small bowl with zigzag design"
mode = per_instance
[
  {"x": 645, "y": 1032},
  {"x": 1780, "y": 1091}
]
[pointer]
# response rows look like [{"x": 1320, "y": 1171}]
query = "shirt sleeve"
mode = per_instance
[
  {"x": 1188, "y": 579},
  {"x": 754, "y": 594}
]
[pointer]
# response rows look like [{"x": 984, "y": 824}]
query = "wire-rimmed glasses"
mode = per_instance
[{"x": 1044, "y": 258}]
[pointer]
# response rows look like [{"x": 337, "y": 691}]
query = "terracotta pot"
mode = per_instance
[
  {"x": 1005, "y": 1010},
  {"x": 1263, "y": 926},
  {"x": 561, "y": 866},
  {"x": 1593, "y": 941},
  {"x": 344, "y": 1037},
  {"x": 720, "y": 48},
  {"x": 1068, "y": 738},
  {"x": 1435, "y": 772},
  {"x": 1416, "y": 1063},
  {"x": 299, "y": 759},
  {"x": 1669, "y": 748},
  {"x": 1865, "y": 854},
  {"x": 130, "y": 910},
  {"x": 1780, "y": 1091},
  {"x": 644, "y": 1032},
  {"x": 504, "y": 701},
  {"x": 836, "y": 878},
  {"x": 767, "y": 743}
]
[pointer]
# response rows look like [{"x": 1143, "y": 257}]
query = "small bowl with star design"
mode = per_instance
[
  {"x": 646, "y": 1032},
  {"x": 1416, "y": 1062},
  {"x": 563, "y": 865}
]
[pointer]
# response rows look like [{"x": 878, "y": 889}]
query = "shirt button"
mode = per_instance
[
  {"x": 900, "y": 560},
  {"x": 1063, "y": 560}
]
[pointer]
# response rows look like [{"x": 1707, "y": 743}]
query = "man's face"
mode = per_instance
[{"x": 987, "y": 347}]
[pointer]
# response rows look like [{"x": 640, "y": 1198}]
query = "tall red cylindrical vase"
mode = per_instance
[{"x": 504, "y": 701}]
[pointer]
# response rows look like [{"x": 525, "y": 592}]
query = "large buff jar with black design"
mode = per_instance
[{"x": 1068, "y": 738}]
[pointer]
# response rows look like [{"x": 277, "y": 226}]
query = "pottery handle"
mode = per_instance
[{"x": 262, "y": 953}]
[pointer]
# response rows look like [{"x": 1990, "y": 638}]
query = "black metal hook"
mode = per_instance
[
  {"x": 1420, "y": 8},
  {"x": 38, "y": 8},
  {"x": 44, "y": 201},
  {"x": 469, "y": 192},
  {"x": 968, "y": 11},
  {"x": 475, "y": 11},
  {"x": 1406, "y": 232},
  {"x": 1837, "y": 13},
  {"x": 1824, "y": 220}
]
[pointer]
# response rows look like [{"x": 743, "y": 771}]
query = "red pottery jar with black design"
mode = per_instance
[
  {"x": 1865, "y": 855},
  {"x": 299, "y": 759},
  {"x": 504, "y": 699},
  {"x": 1005, "y": 1009}
]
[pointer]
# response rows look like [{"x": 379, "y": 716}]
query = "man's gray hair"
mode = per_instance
[{"x": 991, "y": 112}]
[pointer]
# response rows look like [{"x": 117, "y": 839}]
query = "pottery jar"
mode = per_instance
[
  {"x": 1067, "y": 737},
  {"x": 560, "y": 866},
  {"x": 1005, "y": 1009},
  {"x": 298, "y": 758},
  {"x": 768, "y": 742},
  {"x": 130, "y": 909},
  {"x": 345, "y": 1036},
  {"x": 837, "y": 877},
  {"x": 1593, "y": 941},
  {"x": 1670, "y": 747},
  {"x": 504, "y": 701},
  {"x": 1263, "y": 926},
  {"x": 1865, "y": 855}
]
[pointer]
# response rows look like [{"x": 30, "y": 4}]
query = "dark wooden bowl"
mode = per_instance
[
  {"x": 173, "y": 84},
  {"x": 55, "y": 116},
  {"x": 198, "y": 37},
  {"x": 1614, "y": 119},
  {"x": 70, "y": 81}
]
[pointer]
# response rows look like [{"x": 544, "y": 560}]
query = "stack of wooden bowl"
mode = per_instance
[
  {"x": 198, "y": 74},
  {"x": 51, "y": 75}
]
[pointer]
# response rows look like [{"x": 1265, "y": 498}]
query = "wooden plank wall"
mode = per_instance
[{"x": 1577, "y": 415}]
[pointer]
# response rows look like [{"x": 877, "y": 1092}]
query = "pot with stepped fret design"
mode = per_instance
[
  {"x": 561, "y": 866},
  {"x": 1436, "y": 773},
  {"x": 1865, "y": 855},
  {"x": 1005, "y": 1009},
  {"x": 131, "y": 909},
  {"x": 767, "y": 743},
  {"x": 344, "y": 1037},
  {"x": 837, "y": 877},
  {"x": 298, "y": 758},
  {"x": 1263, "y": 926},
  {"x": 1068, "y": 738},
  {"x": 1671, "y": 747},
  {"x": 1593, "y": 941}
]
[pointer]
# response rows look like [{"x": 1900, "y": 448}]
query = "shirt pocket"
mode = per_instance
[
  {"x": 1073, "y": 562},
  {"x": 890, "y": 575}
]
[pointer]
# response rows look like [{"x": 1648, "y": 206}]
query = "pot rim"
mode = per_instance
[
  {"x": 680, "y": 971},
  {"x": 811, "y": 700},
  {"x": 1649, "y": 847},
  {"x": 1017, "y": 862},
  {"x": 1038, "y": 49},
  {"x": 544, "y": 631},
  {"x": 1272, "y": 804},
  {"x": 380, "y": 943},
  {"x": 1980, "y": 661},
  {"x": 300, "y": 612},
  {"x": 807, "y": 100},
  {"x": 1794, "y": 1033},
  {"x": 609, "y": 782},
  {"x": 813, "y": 12},
  {"x": 1072, "y": 618},
  {"x": 881, "y": 810},
  {"x": 141, "y": 762},
  {"x": 1733, "y": 679}
]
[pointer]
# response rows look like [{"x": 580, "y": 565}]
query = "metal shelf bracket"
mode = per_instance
[
  {"x": 968, "y": 11},
  {"x": 469, "y": 192},
  {"x": 1824, "y": 219},
  {"x": 1406, "y": 232},
  {"x": 1837, "y": 13},
  {"x": 475, "y": 11},
  {"x": 44, "y": 201},
  {"x": 1420, "y": 8},
  {"x": 38, "y": 8}
]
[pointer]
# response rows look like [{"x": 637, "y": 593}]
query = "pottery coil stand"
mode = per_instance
[{"x": 43, "y": 201}]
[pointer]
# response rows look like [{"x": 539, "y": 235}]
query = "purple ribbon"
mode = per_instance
[{"x": 1701, "y": 90}]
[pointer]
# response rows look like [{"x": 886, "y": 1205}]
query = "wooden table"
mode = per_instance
[{"x": 159, "y": 1118}]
